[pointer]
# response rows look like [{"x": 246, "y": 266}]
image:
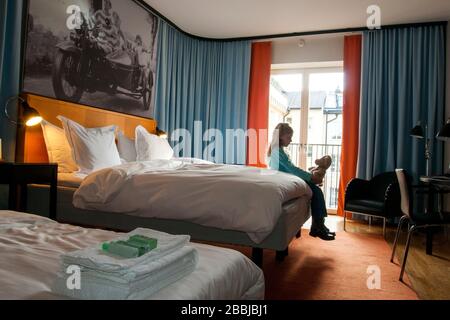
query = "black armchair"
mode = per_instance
[{"x": 379, "y": 198}]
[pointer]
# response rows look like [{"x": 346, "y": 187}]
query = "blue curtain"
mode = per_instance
[
  {"x": 10, "y": 43},
  {"x": 402, "y": 83},
  {"x": 203, "y": 85}
]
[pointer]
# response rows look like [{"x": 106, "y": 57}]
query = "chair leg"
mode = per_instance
[
  {"x": 384, "y": 228},
  {"x": 345, "y": 221},
  {"x": 397, "y": 235},
  {"x": 405, "y": 256}
]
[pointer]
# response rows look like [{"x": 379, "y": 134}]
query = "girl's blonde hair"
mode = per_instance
[{"x": 280, "y": 130}]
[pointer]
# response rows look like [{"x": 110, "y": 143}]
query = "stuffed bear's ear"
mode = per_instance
[{"x": 321, "y": 162}]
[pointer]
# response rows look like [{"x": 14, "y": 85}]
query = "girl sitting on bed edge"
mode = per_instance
[{"x": 279, "y": 160}]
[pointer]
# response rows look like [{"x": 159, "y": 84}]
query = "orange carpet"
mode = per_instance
[{"x": 336, "y": 270}]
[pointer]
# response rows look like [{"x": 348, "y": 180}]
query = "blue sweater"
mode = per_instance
[{"x": 280, "y": 161}]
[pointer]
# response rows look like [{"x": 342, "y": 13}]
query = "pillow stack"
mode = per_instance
[{"x": 85, "y": 150}]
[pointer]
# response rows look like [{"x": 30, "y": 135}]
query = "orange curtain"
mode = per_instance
[
  {"x": 258, "y": 110},
  {"x": 350, "y": 138}
]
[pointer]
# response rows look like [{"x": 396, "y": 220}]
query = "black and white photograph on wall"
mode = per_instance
[{"x": 100, "y": 53}]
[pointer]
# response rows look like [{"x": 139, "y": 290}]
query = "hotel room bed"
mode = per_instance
[{"x": 31, "y": 247}]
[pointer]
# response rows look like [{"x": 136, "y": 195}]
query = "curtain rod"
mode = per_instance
[{"x": 285, "y": 35}]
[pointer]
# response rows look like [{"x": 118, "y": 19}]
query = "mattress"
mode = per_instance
[{"x": 31, "y": 247}]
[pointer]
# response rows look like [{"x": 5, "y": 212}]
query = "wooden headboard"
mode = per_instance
[{"x": 34, "y": 145}]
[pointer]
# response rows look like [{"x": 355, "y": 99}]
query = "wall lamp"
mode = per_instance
[
  {"x": 162, "y": 134},
  {"x": 29, "y": 116},
  {"x": 444, "y": 133}
]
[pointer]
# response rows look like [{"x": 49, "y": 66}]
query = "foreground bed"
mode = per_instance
[{"x": 31, "y": 247}]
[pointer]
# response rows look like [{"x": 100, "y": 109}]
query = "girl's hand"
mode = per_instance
[{"x": 316, "y": 180}]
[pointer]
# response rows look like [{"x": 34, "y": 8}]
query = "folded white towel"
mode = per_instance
[
  {"x": 94, "y": 258},
  {"x": 114, "y": 286}
]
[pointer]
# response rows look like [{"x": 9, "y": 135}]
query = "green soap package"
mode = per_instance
[
  {"x": 149, "y": 243},
  {"x": 135, "y": 247},
  {"x": 121, "y": 249}
]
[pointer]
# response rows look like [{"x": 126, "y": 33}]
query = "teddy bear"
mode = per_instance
[{"x": 322, "y": 165}]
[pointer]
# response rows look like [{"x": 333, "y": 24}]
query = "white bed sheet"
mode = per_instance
[{"x": 30, "y": 247}]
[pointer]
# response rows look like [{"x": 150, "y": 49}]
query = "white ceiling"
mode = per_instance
[{"x": 247, "y": 18}]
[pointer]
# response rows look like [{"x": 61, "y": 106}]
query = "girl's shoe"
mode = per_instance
[
  {"x": 322, "y": 234},
  {"x": 329, "y": 232}
]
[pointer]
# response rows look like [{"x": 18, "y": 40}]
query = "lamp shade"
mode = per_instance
[
  {"x": 28, "y": 116},
  {"x": 418, "y": 132},
  {"x": 31, "y": 117},
  {"x": 161, "y": 133},
  {"x": 444, "y": 133}
]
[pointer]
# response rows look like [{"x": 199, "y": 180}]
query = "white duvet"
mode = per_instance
[
  {"x": 31, "y": 249},
  {"x": 228, "y": 197}
]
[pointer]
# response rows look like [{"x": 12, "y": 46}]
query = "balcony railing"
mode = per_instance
[{"x": 317, "y": 151}]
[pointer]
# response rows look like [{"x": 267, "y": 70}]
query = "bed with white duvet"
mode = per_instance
[
  {"x": 31, "y": 247},
  {"x": 229, "y": 197}
]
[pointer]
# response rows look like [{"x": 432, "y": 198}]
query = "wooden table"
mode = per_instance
[
  {"x": 437, "y": 186},
  {"x": 19, "y": 175}
]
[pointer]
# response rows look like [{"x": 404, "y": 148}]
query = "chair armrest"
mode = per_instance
[
  {"x": 392, "y": 201},
  {"x": 356, "y": 189}
]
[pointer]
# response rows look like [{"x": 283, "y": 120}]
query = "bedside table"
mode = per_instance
[{"x": 18, "y": 176}]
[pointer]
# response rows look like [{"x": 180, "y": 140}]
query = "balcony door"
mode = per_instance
[{"x": 311, "y": 101}]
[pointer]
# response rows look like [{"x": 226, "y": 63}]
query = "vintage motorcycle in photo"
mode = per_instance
[{"x": 81, "y": 65}]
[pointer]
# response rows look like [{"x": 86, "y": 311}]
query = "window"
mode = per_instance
[{"x": 313, "y": 101}]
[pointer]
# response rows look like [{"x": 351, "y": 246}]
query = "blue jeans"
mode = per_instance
[{"x": 318, "y": 206}]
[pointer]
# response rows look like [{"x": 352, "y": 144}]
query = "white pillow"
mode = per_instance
[
  {"x": 58, "y": 148},
  {"x": 127, "y": 148},
  {"x": 151, "y": 147},
  {"x": 92, "y": 149}
]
